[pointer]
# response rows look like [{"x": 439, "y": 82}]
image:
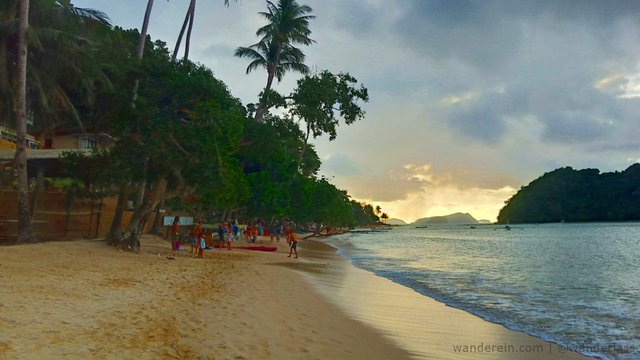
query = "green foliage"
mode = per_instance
[
  {"x": 566, "y": 194},
  {"x": 90, "y": 169},
  {"x": 56, "y": 86},
  {"x": 363, "y": 213},
  {"x": 322, "y": 100},
  {"x": 183, "y": 124},
  {"x": 269, "y": 163}
]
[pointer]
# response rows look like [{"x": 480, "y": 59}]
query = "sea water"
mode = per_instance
[{"x": 574, "y": 284}]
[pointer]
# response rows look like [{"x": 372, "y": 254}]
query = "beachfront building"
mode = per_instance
[{"x": 55, "y": 213}]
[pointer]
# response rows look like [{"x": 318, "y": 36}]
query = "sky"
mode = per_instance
[{"x": 469, "y": 99}]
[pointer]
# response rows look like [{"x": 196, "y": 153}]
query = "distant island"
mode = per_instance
[
  {"x": 455, "y": 219},
  {"x": 394, "y": 221},
  {"x": 572, "y": 195}
]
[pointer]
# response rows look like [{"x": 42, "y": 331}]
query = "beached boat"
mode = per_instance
[{"x": 255, "y": 248}]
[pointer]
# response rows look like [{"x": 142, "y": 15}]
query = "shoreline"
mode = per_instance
[
  {"x": 84, "y": 299},
  {"x": 426, "y": 327}
]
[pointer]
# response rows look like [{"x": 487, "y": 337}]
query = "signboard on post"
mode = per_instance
[{"x": 184, "y": 220}]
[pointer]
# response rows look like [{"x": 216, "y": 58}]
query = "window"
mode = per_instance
[{"x": 87, "y": 143}]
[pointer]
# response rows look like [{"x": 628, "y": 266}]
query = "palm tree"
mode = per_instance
[
  {"x": 115, "y": 230},
  {"x": 143, "y": 31},
  {"x": 384, "y": 217},
  {"x": 288, "y": 25},
  {"x": 25, "y": 229},
  {"x": 38, "y": 85}
]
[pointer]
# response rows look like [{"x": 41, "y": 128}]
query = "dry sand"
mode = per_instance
[{"x": 85, "y": 300}]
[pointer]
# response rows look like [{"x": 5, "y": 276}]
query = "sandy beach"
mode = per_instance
[{"x": 83, "y": 299}]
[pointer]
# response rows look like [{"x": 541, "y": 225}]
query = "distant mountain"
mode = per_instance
[
  {"x": 395, "y": 222},
  {"x": 457, "y": 218}
]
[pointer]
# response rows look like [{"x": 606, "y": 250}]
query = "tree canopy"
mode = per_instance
[{"x": 570, "y": 195}]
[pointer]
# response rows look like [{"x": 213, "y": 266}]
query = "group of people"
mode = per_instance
[
  {"x": 228, "y": 232},
  {"x": 197, "y": 238}
]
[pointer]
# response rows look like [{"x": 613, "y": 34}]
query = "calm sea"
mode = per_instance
[{"x": 574, "y": 284}]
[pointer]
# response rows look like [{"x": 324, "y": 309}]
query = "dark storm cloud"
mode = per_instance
[
  {"x": 545, "y": 56},
  {"x": 482, "y": 122},
  {"x": 574, "y": 126}
]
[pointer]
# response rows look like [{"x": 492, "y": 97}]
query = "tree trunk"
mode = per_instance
[
  {"x": 262, "y": 106},
  {"x": 157, "y": 222},
  {"x": 115, "y": 232},
  {"x": 130, "y": 238},
  {"x": 184, "y": 26},
  {"x": 116, "y": 225},
  {"x": 192, "y": 11},
  {"x": 140, "y": 50},
  {"x": 143, "y": 32},
  {"x": 25, "y": 228}
]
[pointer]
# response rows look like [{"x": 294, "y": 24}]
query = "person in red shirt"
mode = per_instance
[
  {"x": 293, "y": 243},
  {"x": 196, "y": 234}
]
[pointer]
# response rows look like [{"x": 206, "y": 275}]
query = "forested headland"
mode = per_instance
[{"x": 572, "y": 195}]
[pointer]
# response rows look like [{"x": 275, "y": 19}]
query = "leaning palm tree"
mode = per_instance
[
  {"x": 188, "y": 20},
  {"x": 288, "y": 25}
]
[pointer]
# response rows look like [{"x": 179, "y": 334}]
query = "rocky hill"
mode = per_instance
[{"x": 457, "y": 218}]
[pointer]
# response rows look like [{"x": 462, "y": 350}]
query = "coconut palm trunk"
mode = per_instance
[
  {"x": 143, "y": 32},
  {"x": 25, "y": 228},
  {"x": 187, "y": 43},
  {"x": 188, "y": 20},
  {"x": 262, "y": 109},
  {"x": 115, "y": 230}
]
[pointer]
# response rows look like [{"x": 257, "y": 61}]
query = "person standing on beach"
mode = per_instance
[
  {"x": 236, "y": 229},
  {"x": 221, "y": 232},
  {"x": 201, "y": 246},
  {"x": 196, "y": 232},
  {"x": 272, "y": 231},
  {"x": 278, "y": 230},
  {"x": 175, "y": 234},
  {"x": 229, "y": 236},
  {"x": 293, "y": 243}
]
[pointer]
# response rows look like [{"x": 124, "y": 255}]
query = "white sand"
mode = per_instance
[{"x": 83, "y": 299}]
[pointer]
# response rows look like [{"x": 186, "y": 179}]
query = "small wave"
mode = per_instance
[{"x": 341, "y": 241}]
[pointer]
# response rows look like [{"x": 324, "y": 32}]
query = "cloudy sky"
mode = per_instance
[{"x": 469, "y": 99}]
